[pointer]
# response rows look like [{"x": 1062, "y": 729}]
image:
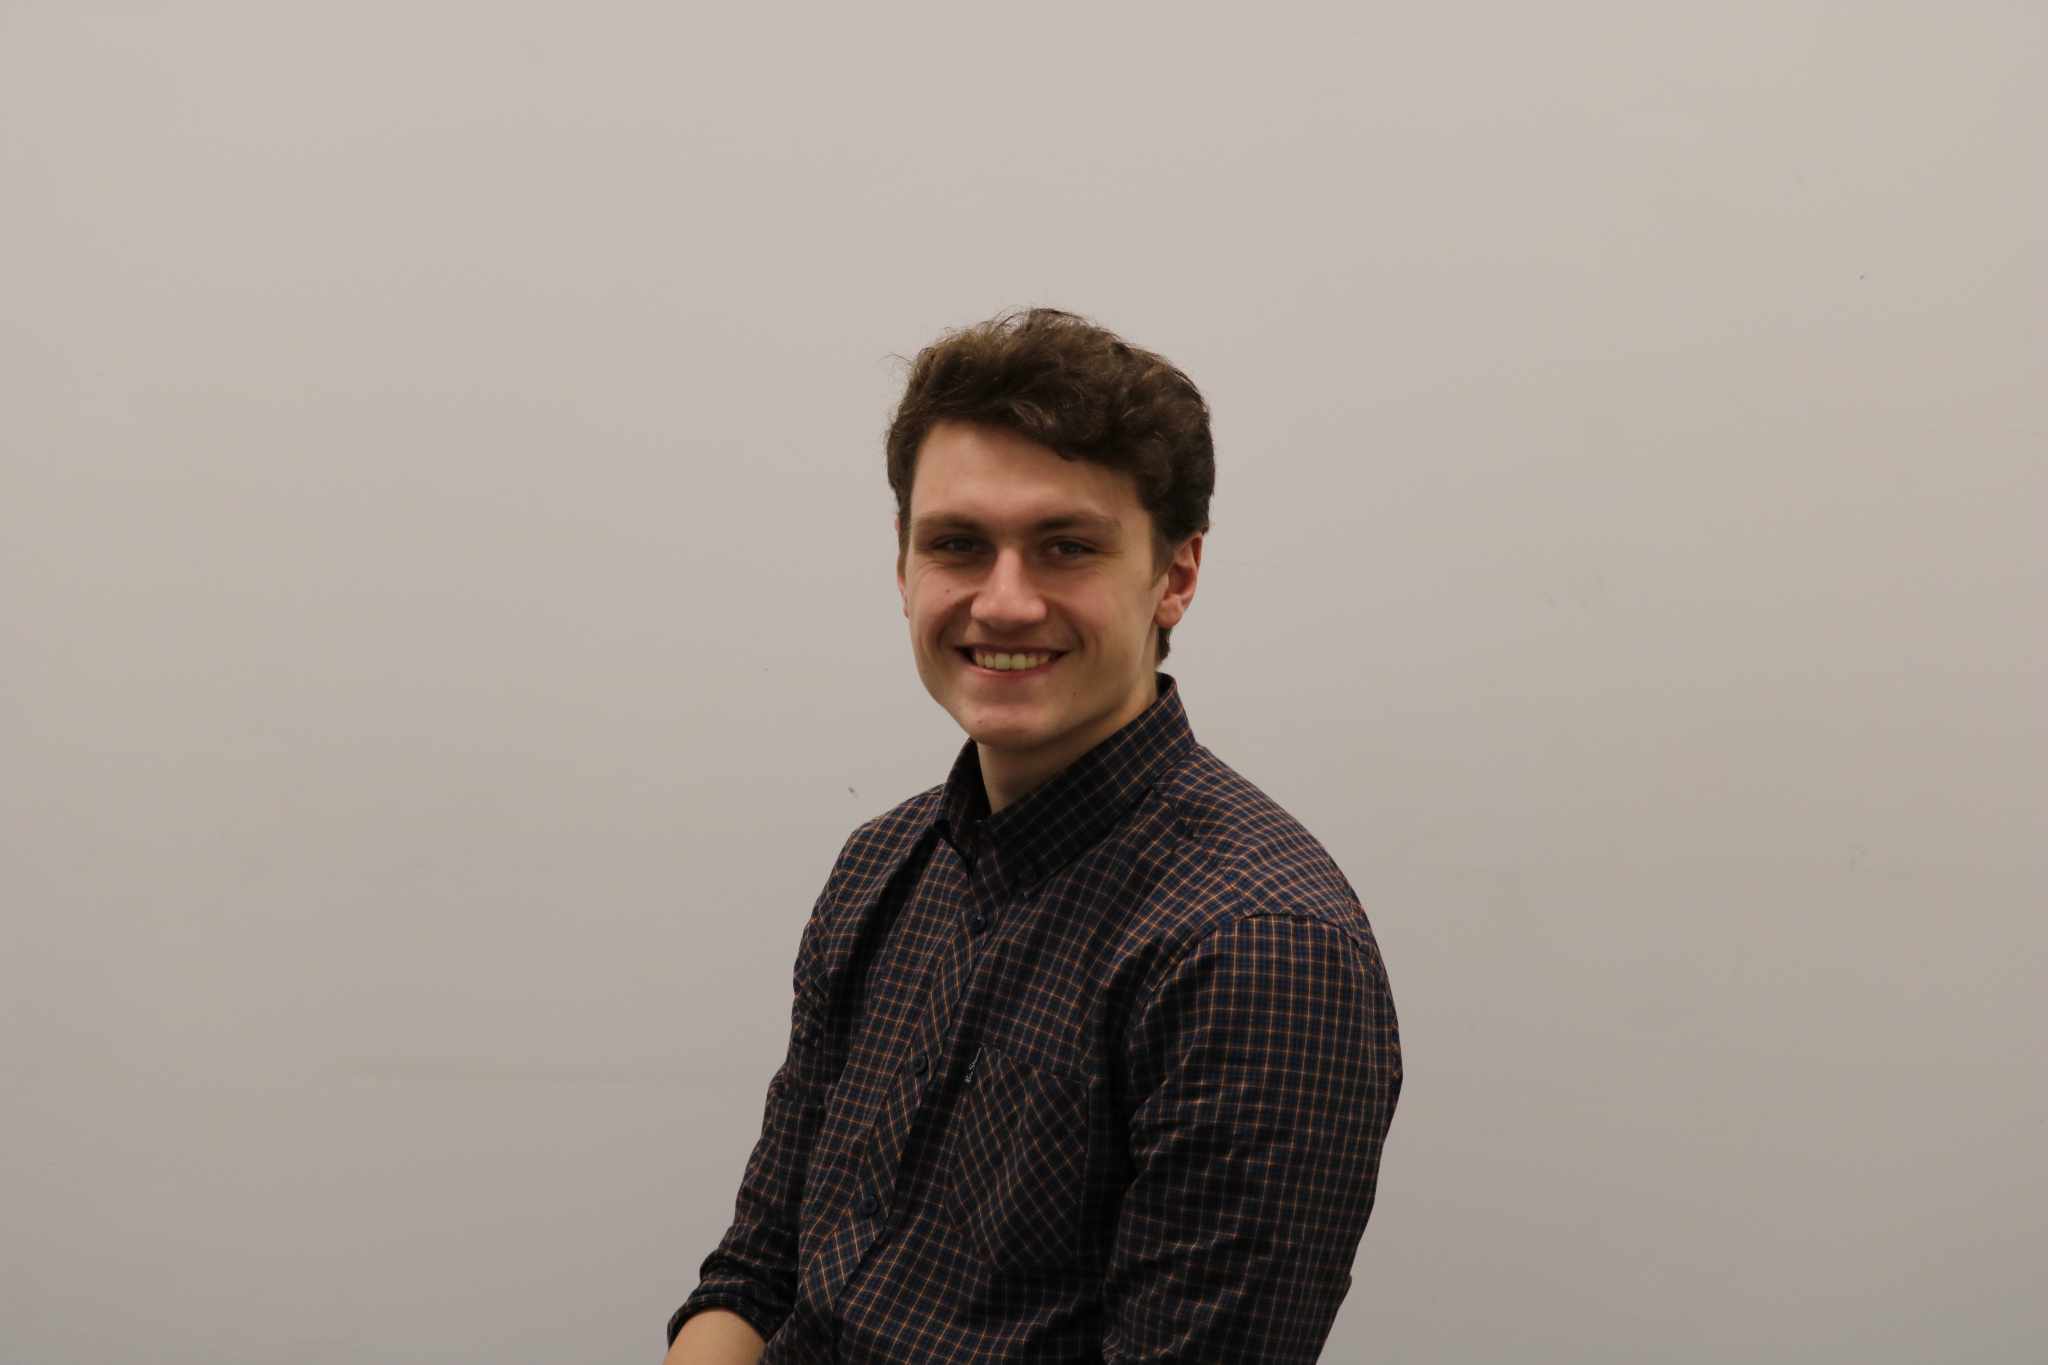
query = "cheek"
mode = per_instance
[{"x": 931, "y": 607}]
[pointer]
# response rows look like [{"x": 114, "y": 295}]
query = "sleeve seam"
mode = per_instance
[{"x": 1236, "y": 920}]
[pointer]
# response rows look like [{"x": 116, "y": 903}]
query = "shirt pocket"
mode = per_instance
[{"x": 1018, "y": 1178}]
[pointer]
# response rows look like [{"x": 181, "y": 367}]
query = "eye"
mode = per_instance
[
  {"x": 1077, "y": 548},
  {"x": 948, "y": 545}
]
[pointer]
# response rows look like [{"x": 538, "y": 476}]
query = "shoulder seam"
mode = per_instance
[{"x": 1236, "y": 919}]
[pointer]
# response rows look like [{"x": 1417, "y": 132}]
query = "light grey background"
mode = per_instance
[{"x": 449, "y": 628}]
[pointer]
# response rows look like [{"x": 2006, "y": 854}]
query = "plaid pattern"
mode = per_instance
[{"x": 1102, "y": 1077}]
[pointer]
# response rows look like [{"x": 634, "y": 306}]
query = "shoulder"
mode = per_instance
[
  {"x": 866, "y": 862},
  {"x": 1258, "y": 920},
  {"x": 875, "y": 849},
  {"x": 888, "y": 835},
  {"x": 1241, "y": 856}
]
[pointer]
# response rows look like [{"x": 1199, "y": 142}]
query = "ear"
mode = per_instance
[
  {"x": 1181, "y": 572},
  {"x": 902, "y": 587}
]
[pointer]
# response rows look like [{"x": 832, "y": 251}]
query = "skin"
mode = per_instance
[
  {"x": 982, "y": 566},
  {"x": 716, "y": 1337}
]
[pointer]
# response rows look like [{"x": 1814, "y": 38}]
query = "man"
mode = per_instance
[{"x": 1092, "y": 1053}]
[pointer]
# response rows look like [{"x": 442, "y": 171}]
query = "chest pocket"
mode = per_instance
[{"x": 1019, "y": 1170}]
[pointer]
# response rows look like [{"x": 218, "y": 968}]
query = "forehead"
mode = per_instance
[{"x": 986, "y": 476}]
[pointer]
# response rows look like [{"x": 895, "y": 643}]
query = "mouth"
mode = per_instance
[{"x": 1011, "y": 663}]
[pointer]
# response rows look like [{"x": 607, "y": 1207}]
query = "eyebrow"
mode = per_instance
[{"x": 1104, "y": 527}]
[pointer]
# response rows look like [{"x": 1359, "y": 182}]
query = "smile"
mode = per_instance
[{"x": 1006, "y": 663}]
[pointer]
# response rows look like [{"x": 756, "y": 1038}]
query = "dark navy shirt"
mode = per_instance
[{"x": 1104, "y": 1076}]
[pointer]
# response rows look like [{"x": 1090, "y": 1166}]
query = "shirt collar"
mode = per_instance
[{"x": 1039, "y": 833}]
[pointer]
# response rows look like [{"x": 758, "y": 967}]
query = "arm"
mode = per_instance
[
  {"x": 716, "y": 1337},
  {"x": 751, "y": 1277},
  {"x": 1265, "y": 1066}
]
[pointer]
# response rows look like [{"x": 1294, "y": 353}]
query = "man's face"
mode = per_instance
[{"x": 1013, "y": 550}]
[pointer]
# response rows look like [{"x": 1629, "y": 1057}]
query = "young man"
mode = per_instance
[{"x": 1092, "y": 1053}]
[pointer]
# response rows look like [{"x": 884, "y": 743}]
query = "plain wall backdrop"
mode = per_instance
[{"x": 446, "y": 593}]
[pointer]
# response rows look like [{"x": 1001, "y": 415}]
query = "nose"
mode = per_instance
[{"x": 1007, "y": 599}]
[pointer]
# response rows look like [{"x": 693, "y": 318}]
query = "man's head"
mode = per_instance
[{"x": 1052, "y": 489}]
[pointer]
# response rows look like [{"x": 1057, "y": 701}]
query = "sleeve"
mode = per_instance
[
  {"x": 1265, "y": 1067},
  {"x": 753, "y": 1270}
]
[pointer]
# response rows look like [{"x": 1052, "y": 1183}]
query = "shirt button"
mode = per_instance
[
  {"x": 977, "y": 921},
  {"x": 918, "y": 1064},
  {"x": 869, "y": 1206}
]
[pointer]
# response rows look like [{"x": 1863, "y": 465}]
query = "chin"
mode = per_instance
[{"x": 1003, "y": 738}]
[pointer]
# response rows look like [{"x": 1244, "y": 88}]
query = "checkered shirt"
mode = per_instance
[{"x": 1104, "y": 1076}]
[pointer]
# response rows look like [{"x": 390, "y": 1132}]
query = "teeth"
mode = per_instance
[{"x": 1010, "y": 662}]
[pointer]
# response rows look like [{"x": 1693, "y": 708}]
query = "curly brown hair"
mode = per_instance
[{"x": 1081, "y": 391}]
